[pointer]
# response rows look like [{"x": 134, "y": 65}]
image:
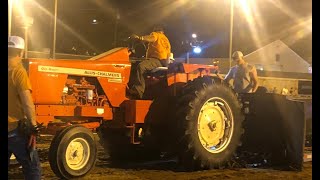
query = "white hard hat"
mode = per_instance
[
  {"x": 15, "y": 42},
  {"x": 237, "y": 55}
]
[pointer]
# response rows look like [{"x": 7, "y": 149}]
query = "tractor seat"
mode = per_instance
[
  {"x": 162, "y": 69},
  {"x": 157, "y": 73}
]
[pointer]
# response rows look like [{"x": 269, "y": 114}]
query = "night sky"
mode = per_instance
[{"x": 209, "y": 19}]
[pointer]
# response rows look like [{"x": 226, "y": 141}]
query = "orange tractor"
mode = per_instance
[{"x": 186, "y": 110}]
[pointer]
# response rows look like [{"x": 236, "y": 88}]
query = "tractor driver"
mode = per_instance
[
  {"x": 244, "y": 75},
  {"x": 158, "y": 54}
]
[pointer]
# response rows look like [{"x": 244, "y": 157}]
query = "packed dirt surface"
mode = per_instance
[{"x": 159, "y": 170}]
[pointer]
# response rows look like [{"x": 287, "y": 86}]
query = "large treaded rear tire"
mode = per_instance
[
  {"x": 72, "y": 153},
  {"x": 116, "y": 143},
  {"x": 211, "y": 124}
]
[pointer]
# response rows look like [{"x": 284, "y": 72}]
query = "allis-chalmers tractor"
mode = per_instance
[{"x": 185, "y": 110}]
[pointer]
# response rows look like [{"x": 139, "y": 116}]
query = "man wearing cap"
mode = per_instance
[
  {"x": 158, "y": 55},
  {"x": 22, "y": 125},
  {"x": 244, "y": 75}
]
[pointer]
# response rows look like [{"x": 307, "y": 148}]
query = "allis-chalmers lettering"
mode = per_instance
[
  {"x": 78, "y": 71},
  {"x": 105, "y": 74}
]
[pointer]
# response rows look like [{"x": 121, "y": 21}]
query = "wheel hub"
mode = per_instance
[
  {"x": 215, "y": 125},
  {"x": 77, "y": 153}
]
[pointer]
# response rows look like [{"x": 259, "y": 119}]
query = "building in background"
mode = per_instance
[{"x": 277, "y": 56}]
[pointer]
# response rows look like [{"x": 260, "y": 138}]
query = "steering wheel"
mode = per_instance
[{"x": 133, "y": 44}]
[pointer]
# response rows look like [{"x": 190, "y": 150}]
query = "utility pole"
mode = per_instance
[
  {"x": 188, "y": 58},
  {"x": 54, "y": 29},
  {"x": 26, "y": 40},
  {"x": 26, "y": 22},
  {"x": 116, "y": 28},
  {"x": 231, "y": 29},
  {"x": 9, "y": 16}
]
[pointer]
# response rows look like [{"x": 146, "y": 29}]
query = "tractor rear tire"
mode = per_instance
[
  {"x": 72, "y": 152},
  {"x": 158, "y": 126},
  {"x": 116, "y": 143},
  {"x": 210, "y": 120}
]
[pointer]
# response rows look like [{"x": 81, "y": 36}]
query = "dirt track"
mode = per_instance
[{"x": 160, "y": 170}]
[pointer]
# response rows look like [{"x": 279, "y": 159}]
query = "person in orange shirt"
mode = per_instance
[{"x": 158, "y": 55}]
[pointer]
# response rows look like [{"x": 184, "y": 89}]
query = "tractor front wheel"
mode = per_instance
[{"x": 72, "y": 152}]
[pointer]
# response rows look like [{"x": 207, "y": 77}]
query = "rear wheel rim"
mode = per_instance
[
  {"x": 77, "y": 154},
  {"x": 215, "y": 125}
]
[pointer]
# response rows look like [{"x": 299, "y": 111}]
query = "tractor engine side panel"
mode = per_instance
[
  {"x": 116, "y": 92},
  {"x": 46, "y": 87},
  {"x": 64, "y": 82}
]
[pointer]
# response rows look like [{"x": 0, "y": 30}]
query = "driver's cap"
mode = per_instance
[{"x": 15, "y": 42}]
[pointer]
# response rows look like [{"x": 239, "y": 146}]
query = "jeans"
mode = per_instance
[
  {"x": 142, "y": 68},
  {"x": 17, "y": 145}
]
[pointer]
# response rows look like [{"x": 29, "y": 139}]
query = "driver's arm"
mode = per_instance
[{"x": 149, "y": 38}]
